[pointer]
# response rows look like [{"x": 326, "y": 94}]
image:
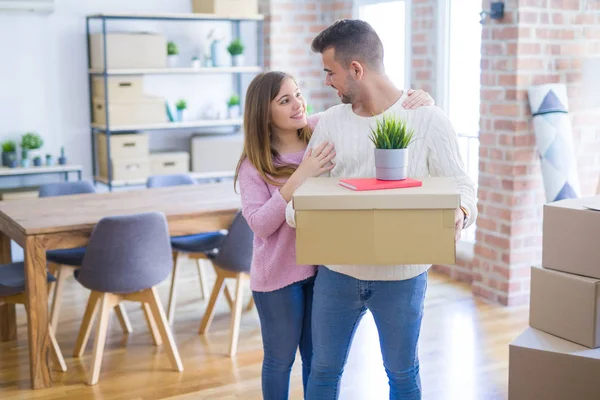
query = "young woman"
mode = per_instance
[{"x": 272, "y": 166}]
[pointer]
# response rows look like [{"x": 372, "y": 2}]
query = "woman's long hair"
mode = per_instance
[{"x": 257, "y": 129}]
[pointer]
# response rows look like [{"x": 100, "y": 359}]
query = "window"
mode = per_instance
[
  {"x": 390, "y": 19},
  {"x": 459, "y": 57}
]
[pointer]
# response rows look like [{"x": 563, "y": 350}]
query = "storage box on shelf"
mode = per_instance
[
  {"x": 119, "y": 87},
  {"x": 169, "y": 162},
  {"x": 129, "y": 156},
  {"x": 142, "y": 110},
  {"x": 129, "y": 50},
  {"x": 227, "y": 8},
  {"x": 216, "y": 153}
]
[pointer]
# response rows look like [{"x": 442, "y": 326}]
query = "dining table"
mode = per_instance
[{"x": 41, "y": 224}]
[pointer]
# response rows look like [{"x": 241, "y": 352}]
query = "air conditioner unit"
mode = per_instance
[{"x": 36, "y": 6}]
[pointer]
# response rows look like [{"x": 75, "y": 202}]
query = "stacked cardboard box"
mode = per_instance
[{"x": 558, "y": 357}]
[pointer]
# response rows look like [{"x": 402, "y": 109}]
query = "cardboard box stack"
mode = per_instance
[
  {"x": 558, "y": 357},
  {"x": 338, "y": 226}
]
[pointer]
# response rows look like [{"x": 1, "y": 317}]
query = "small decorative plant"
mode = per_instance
[
  {"x": 37, "y": 161},
  {"x": 62, "y": 160},
  {"x": 49, "y": 160},
  {"x": 181, "y": 105},
  {"x": 9, "y": 151},
  {"x": 236, "y": 49},
  {"x": 233, "y": 106},
  {"x": 172, "y": 54},
  {"x": 31, "y": 141},
  {"x": 391, "y": 137}
]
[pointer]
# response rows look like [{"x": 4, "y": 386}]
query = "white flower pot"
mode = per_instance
[
  {"x": 234, "y": 112},
  {"x": 172, "y": 61},
  {"x": 238, "y": 60},
  {"x": 391, "y": 165}
]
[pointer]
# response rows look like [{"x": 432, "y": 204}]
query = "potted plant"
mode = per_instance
[
  {"x": 391, "y": 138},
  {"x": 172, "y": 54},
  {"x": 196, "y": 64},
  {"x": 12, "y": 160},
  {"x": 181, "y": 105},
  {"x": 49, "y": 160},
  {"x": 233, "y": 106},
  {"x": 62, "y": 160},
  {"x": 29, "y": 141},
  {"x": 9, "y": 148},
  {"x": 236, "y": 49}
]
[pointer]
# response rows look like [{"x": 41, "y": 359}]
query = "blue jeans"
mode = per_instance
[
  {"x": 339, "y": 304},
  {"x": 285, "y": 320}
]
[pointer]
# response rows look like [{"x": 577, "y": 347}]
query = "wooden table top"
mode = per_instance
[{"x": 82, "y": 212}]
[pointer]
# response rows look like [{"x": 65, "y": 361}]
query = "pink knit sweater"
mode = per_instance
[{"x": 274, "y": 253}]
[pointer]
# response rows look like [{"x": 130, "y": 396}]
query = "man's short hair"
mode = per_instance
[{"x": 351, "y": 39}]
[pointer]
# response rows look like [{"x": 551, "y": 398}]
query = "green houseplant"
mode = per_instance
[
  {"x": 9, "y": 152},
  {"x": 29, "y": 141},
  {"x": 236, "y": 49},
  {"x": 181, "y": 105},
  {"x": 233, "y": 106},
  {"x": 172, "y": 54},
  {"x": 391, "y": 137}
]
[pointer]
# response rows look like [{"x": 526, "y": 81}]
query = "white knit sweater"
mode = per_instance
[{"x": 434, "y": 152}]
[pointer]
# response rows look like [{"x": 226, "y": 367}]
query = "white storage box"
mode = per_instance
[
  {"x": 170, "y": 162},
  {"x": 129, "y": 50},
  {"x": 128, "y": 169},
  {"x": 143, "y": 110},
  {"x": 119, "y": 87},
  {"x": 216, "y": 153},
  {"x": 123, "y": 146},
  {"x": 231, "y": 8}
]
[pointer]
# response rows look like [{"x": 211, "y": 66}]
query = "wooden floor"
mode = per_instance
[{"x": 463, "y": 352}]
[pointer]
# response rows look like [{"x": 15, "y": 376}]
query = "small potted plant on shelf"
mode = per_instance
[
  {"x": 236, "y": 49},
  {"x": 181, "y": 105},
  {"x": 172, "y": 54},
  {"x": 9, "y": 149},
  {"x": 391, "y": 138},
  {"x": 49, "y": 160},
  {"x": 12, "y": 160},
  {"x": 196, "y": 63},
  {"x": 62, "y": 160},
  {"x": 233, "y": 107},
  {"x": 29, "y": 141}
]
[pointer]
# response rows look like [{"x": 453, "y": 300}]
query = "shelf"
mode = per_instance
[
  {"x": 209, "y": 123},
  {"x": 43, "y": 169},
  {"x": 179, "y": 17},
  {"x": 178, "y": 71},
  {"x": 195, "y": 175}
]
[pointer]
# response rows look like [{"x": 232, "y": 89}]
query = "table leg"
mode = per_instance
[
  {"x": 37, "y": 312},
  {"x": 8, "y": 315}
]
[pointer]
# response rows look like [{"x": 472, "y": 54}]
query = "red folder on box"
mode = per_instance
[{"x": 360, "y": 184}]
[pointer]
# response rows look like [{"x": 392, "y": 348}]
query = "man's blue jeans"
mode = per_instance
[{"x": 339, "y": 303}]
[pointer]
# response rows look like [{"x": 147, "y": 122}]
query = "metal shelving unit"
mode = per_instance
[{"x": 105, "y": 72}]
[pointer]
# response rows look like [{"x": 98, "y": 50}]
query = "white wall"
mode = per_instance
[{"x": 43, "y": 72}]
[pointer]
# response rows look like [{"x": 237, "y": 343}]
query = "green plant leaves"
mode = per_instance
[{"x": 390, "y": 133}]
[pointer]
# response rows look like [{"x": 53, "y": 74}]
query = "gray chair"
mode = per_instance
[
  {"x": 196, "y": 246},
  {"x": 126, "y": 257},
  {"x": 63, "y": 262},
  {"x": 12, "y": 291},
  {"x": 231, "y": 260}
]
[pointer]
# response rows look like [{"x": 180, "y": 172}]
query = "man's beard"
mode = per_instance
[{"x": 350, "y": 96}]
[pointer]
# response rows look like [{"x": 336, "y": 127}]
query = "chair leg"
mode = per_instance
[
  {"x": 86, "y": 324},
  {"x": 61, "y": 276},
  {"x": 202, "y": 277},
  {"x": 57, "y": 356},
  {"x": 173, "y": 292},
  {"x": 123, "y": 318},
  {"x": 250, "y": 305},
  {"x": 210, "y": 308},
  {"x": 163, "y": 327},
  {"x": 229, "y": 297},
  {"x": 236, "y": 316},
  {"x": 152, "y": 327},
  {"x": 107, "y": 302}
]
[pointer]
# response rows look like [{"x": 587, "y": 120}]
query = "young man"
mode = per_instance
[{"x": 352, "y": 56}]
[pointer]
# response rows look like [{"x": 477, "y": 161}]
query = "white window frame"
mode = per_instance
[
  {"x": 442, "y": 89},
  {"x": 407, "y": 33}
]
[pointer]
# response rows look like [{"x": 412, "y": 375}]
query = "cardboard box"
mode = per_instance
[
  {"x": 565, "y": 305},
  {"x": 129, "y": 50},
  {"x": 226, "y": 8},
  {"x": 143, "y": 110},
  {"x": 571, "y": 236},
  {"x": 131, "y": 169},
  {"x": 119, "y": 87},
  {"x": 338, "y": 226},
  {"x": 542, "y": 366},
  {"x": 169, "y": 162},
  {"x": 216, "y": 153},
  {"x": 123, "y": 146}
]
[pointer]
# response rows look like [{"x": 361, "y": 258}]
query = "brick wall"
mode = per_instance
[
  {"x": 290, "y": 26},
  {"x": 423, "y": 43}
]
